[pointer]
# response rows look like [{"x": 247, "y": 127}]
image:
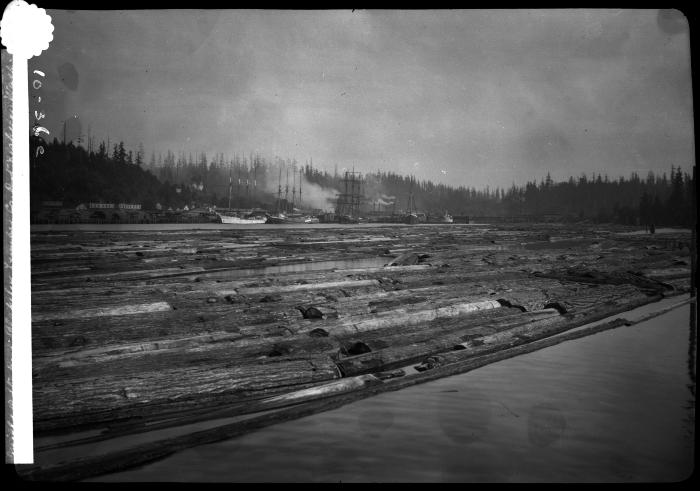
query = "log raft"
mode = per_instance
[{"x": 136, "y": 331}]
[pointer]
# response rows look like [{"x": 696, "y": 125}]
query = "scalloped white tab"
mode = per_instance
[{"x": 26, "y": 30}]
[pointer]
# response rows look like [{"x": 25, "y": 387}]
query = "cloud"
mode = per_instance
[{"x": 489, "y": 96}]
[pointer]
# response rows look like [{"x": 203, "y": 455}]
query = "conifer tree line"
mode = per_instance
[{"x": 70, "y": 173}]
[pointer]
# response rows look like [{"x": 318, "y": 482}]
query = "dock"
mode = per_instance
[{"x": 146, "y": 342}]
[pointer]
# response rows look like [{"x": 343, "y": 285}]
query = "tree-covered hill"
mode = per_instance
[{"x": 74, "y": 175}]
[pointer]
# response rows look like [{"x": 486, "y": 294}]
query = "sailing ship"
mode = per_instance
[
  {"x": 238, "y": 217},
  {"x": 347, "y": 209},
  {"x": 412, "y": 216},
  {"x": 281, "y": 217}
]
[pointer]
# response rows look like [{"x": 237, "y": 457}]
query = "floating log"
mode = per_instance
[
  {"x": 88, "y": 399},
  {"x": 331, "y": 388},
  {"x": 93, "y": 465},
  {"x": 395, "y": 317},
  {"x": 303, "y": 286},
  {"x": 231, "y": 337},
  {"x": 396, "y": 356},
  {"x": 526, "y": 333},
  {"x": 102, "y": 312}
]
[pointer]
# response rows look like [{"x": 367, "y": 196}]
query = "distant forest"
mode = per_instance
[{"x": 74, "y": 175}]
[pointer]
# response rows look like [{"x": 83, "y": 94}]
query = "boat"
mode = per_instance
[
  {"x": 414, "y": 217},
  {"x": 347, "y": 210},
  {"x": 281, "y": 219},
  {"x": 410, "y": 218},
  {"x": 446, "y": 218},
  {"x": 347, "y": 219},
  {"x": 238, "y": 220},
  {"x": 311, "y": 220},
  {"x": 240, "y": 217}
]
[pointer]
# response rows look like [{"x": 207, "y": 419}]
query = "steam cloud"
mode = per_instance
[
  {"x": 312, "y": 195},
  {"x": 315, "y": 196}
]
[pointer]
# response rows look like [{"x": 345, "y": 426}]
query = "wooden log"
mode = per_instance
[
  {"x": 102, "y": 312},
  {"x": 323, "y": 390},
  {"x": 292, "y": 288},
  {"x": 200, "y": 332},
  {"x": 396, "y": 356},
  {"x": 528, "y": 333},
  {"x": 94, "y": 465},
  {"x": 87, "y": 397},
  {"x": 398, "y": 317}
]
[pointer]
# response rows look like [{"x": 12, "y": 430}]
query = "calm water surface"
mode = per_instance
[{"x": 616, "y": 406}]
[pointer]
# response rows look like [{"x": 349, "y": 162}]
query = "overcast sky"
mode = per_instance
[{"x": 468, "y": 97}]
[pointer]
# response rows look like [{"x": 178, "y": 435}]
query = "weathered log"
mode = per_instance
[
  {"x": 395, "y": 317},
  {"x": 81, "y": 468},
  {"x": 101, "y": 312},
  {"x": 307, "y": 286},
  {"x": 396, "y": 356},
  {"x": 85, "y": 397},
  {"x": 184, "y": 269},
  {"x": 537, "y": 330},
  {"x": 324, "y": 390}
]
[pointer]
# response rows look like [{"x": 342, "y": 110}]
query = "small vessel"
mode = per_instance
[
  {"x": 347, "y": 219},
  {"x": 240, "y": 216},
  {"x": 281, "y": 218},
  {"x": 446, "y": 218},
  {"x": 411, "y": 218},
  {"x": 238, "y": 220},
  {"x": 415, "y": 217}
]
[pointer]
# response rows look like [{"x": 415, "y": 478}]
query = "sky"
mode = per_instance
[{"x": 464, "y": 97}]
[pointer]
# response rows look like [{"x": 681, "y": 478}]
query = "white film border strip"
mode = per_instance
[{"x": 26, "y": 31}]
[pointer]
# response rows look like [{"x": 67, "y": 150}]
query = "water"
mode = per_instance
[{"x": 618, "y": 406}]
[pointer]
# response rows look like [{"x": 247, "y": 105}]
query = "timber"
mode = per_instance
[{"x": 137, "y": 332}]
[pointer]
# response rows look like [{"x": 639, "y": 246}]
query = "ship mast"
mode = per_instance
[
  {"x": 255, "y": 178},
  {"x": 286, "y": 192},
  {"x": 238, "y": 186},
  {"x": 279, "y": 192},
  {"x": 230, "y": 184}
]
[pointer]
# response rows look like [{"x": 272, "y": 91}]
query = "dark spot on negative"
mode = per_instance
[{"x": 68, "y": 75}]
